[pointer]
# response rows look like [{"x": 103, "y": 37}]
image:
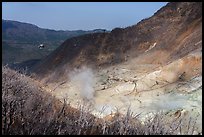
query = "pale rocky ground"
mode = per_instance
[{"x": 145, "y": 89}]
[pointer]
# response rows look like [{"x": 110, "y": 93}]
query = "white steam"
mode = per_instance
[{"x": 83, "y": 80}]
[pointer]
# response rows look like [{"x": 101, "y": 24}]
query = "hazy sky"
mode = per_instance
[{"x": 80, "y": 15}]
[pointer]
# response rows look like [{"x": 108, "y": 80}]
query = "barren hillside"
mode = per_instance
[{"x": 153, "y": 66}]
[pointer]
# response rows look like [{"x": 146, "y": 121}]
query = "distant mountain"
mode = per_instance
[{"x": 20, "y": 40}]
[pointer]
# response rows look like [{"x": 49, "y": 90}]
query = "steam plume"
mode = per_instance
[{"x": 83, "y": 80}]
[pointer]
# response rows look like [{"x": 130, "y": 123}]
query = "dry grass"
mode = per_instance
[{"x": 27, "y": 110}]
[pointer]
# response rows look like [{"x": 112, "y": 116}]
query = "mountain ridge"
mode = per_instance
[{"x": 174, "y": 27}]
